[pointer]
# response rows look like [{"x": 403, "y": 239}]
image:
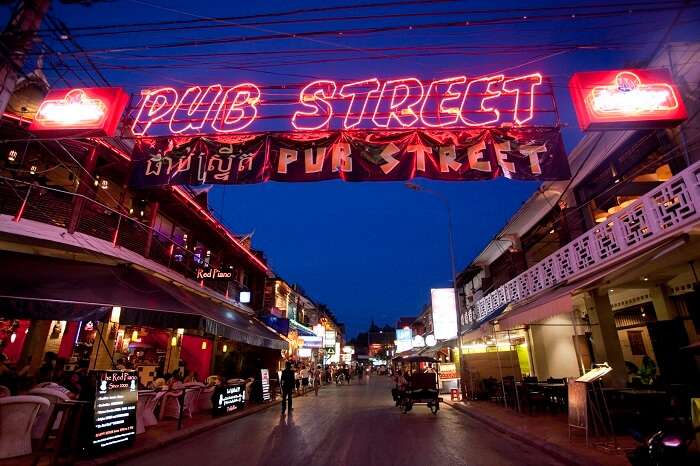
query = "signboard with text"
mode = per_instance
[
  {"x": 265, "y": 378},
  {"x": 444, "y": 313},
  {"x": 116, "y": 396},
  {"x": 228, "y": 398},
  {"x": 626, "y": 99}
]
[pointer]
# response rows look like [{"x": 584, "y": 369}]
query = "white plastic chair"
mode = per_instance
[
  {"x": 17, "y": 415},
  {"x": 170, "y": 405},
  {"x": 144, "y": 412},
  {"x": 204, "y": 401},
  {"x": 190, "y": 402},
  {"x": 4, "y": 391},
  {"x": 54, "y": 396}
]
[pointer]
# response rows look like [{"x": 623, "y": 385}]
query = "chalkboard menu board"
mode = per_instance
[
  {"x": 228, "y": 398},
  {"x": 116, "y": 394},
  {"x": 265, "y": 384}
]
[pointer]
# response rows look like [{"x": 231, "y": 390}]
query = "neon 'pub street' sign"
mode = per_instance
[{"x": 454, "y": 102}]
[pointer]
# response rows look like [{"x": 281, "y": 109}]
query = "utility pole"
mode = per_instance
[{"x": 16, "y": 41}]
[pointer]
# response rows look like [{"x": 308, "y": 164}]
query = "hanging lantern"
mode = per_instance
[
  {"x": 104, "y": 184},
  {"x": 225, "y": 348},
  {"x": 13, "y": 337},
  {"x": 204, "y": 344},
  {"x": 12, "y": 155},
  {"x": 134, "y": 335},
  {"x": 32, "y": 170},
  {"x": 173, "y": 341}
]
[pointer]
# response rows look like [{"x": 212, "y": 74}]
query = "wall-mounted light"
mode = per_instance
[
  {"x": 104, "y": 184},
  {"x": 173, "y": 341},
  {"x": 13, "y": 337},
  {"x": 32, "y": 170},
  {"x": 12, "y": 155},
  {"x": 116, "y": 313},
  {"x": 225, "y": 348},
  {"x": 134, "y": 335},
  {"x": 244, "y": 297},
  {"x": 204, "y": 344}
]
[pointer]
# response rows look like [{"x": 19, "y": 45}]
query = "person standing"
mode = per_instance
[
  {"x": 287, "y": 384},
  {"x": 304, "y": 374},
  {"x": 317, "y": 379}
]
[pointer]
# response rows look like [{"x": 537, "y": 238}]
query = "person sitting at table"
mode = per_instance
[{"x": 191, "y": 377}]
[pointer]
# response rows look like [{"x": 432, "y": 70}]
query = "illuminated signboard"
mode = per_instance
[
  {"x": 265, "y": 378},
  {"x": 329, "y": 339},
  {"x": 444, "y": 315},
  {"x": 452, "y": 102},
  {"x": 304, "y": 352},
  {"x": 625, "y": 99},
  {"x": 311, "y": 341},
  {"x": 116, "y": 395},
  {"x": 86, "y": 111},
  {"x": 228, "y": 398},
  {"x": 404, "y": 339}
]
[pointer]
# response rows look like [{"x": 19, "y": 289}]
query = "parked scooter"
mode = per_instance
[{"x": 668, "y": 446}]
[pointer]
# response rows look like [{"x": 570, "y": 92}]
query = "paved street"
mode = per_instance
[{"x": 350, "y": 425}]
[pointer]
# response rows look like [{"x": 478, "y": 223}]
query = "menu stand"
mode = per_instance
[{"x": 587, "y": 404}]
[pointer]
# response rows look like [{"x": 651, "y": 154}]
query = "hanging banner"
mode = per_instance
[{"x": 461, "y": 155}]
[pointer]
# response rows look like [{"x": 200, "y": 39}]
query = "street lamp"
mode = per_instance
[{"x": 450, "y": 242}]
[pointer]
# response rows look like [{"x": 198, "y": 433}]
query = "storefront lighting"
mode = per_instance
[
  {"x": 173, "y": 341},
  {"x": 13, "y": 337},
  {"x": 430, "y": 340},
  {"x": 244, "y": 297},
  {"x": 181, "y": 331},
  {"x": 134, "y": 335},
  {"x": 141, "y": 213},
  {"x": 104, "y": 184},
  {"x": 646, "y": 279},
  {"x": 131, "y": 211},
  {"x": 32, "y": 170},
  {"x": 12, "y": 155},
  {"x": 97, "y": 181},
  {"x": 225, "y": 348},
  {"x": 116, "y": 313},
  {"x": 204, "y": 344}
]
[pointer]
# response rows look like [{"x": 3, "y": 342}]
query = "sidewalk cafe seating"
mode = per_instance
[
  {"x": 145, "y": 410},
  {"x": 204, "y": 401},
  {"x": 54, "y": 397},
  {"x": 17, "y": 416},
  {"x": 4, "y": 391}
]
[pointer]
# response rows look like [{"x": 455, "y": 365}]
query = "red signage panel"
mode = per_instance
[
  {"x": 92, "y": 111},
  {"x": 626, "y": 99}
]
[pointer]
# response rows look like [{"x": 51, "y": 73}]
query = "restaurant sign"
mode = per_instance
[
  {"x": 213, "y": 274},
  {"x": 265, "y": 379},
  {"x": 626, "y": 99},
  {"x": 116, "y": 396},
  {"x": 228, "y": 398},
  {"x": 456, "y": 155}
]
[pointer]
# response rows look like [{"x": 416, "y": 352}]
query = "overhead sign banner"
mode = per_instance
[
  {"x": 311, "y": 342},
  {"x": 626, "y": 99},
  {"x": 461, "y": 155}
]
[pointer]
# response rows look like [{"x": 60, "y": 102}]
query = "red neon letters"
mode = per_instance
[
  {"x": 371, "y": 103},
  {"x": 234, "y": 110}
]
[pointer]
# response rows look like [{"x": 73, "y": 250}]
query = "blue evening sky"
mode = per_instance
[{"x": 369, "y": 250}]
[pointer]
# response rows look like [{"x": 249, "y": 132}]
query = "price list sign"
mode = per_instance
[
  {"x": 116, "y": 395},
  {"x": 265, "y": 374}
]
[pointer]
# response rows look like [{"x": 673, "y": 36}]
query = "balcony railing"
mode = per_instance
[
  {"x": 53, "y": 206},
  {"x": 657, "y": 214}
]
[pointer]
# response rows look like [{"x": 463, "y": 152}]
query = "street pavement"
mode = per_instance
[{"x": 349, "y": 425}]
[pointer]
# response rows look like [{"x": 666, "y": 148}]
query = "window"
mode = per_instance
[{"x": 636, "y": 343}]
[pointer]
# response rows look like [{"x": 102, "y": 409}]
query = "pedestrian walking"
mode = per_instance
[
  {"x": 297, "y": 380},
  {"x": 287, "y": 384},
  {"x": 304, "y": 374},
  {"x": 317, "y": 379}
]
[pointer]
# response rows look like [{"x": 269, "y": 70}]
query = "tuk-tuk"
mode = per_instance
[{"x": 422, "y": 383}]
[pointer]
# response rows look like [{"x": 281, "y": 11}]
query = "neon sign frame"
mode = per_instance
[{"x": 406, "y": 103}]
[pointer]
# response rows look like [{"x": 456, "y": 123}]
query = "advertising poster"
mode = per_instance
[
  {"x": 116, "y": 395},
  {"x": 228, "y": 398},
  {"x": 265, "y": 376}
]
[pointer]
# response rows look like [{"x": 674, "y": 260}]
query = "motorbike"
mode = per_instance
[{"x": 667, "y": 446}]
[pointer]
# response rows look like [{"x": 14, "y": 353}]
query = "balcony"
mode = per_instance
[
  {"x": 670, "y": 209},
  {"x": 120, "y": 234}
]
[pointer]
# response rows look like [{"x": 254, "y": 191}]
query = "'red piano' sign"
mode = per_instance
[{"x": 625, "y": 99}]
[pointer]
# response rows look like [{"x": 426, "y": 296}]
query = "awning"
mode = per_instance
[
  {"x": 551, "y": 303},
  {"x": 70, "y": 290},
  {"x": 301, "y": 329}
]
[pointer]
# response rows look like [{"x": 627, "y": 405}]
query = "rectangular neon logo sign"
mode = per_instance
[
  {"x": 92, "y": 111},
  {"x": 626, "y": 99}
]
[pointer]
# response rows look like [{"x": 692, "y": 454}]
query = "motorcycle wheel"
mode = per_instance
[{"x": 434, "y": 408}]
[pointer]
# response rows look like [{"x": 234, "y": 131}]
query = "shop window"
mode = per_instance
[{"x": 636, "y": 343}]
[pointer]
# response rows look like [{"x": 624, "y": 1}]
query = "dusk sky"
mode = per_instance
[{"x": 367, "y": 250}]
